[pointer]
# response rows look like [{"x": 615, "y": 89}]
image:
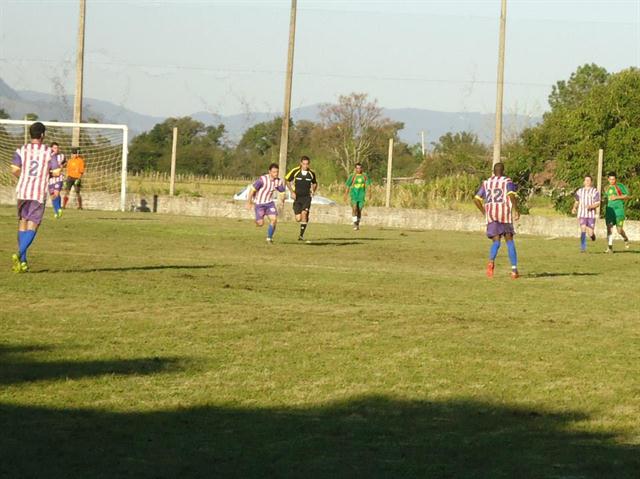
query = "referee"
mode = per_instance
[{"x": 302, "y": 183}]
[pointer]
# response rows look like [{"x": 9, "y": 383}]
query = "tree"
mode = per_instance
[
  {"x": 354, "y": 129},
  {"x": 3, "y": 114},
  {"x": 568, "y": 94},
  {"x": 454, "y": 153}
]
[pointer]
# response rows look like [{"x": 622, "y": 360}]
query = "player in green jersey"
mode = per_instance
[
  {"x": 616, "y": 194},
  {"x": 356, "y": 190}
]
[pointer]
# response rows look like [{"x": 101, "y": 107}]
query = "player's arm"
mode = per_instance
[
  {"x": 289, "y": 179},
  {"x": 251, "y": 193},
  {"x": 314, "y": 183},
  {"x": 574, "y": 210},
  {"x": 478, "y": 199},
  {"x": 16, "y": 164},
  {"x": 515, "y": 206},
  {"x": 54, "y": 167},
  {"x": 348, "y": 184}
]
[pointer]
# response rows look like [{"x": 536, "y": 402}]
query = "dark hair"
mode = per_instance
[
  {"x": 498, "y": 167},
  {"x": 75, "y": 150},
  {"x": 273, "y": 165},
  {"x": 305, "y": 158},
  {"x": 612, "y": 173},
  {"x": 589, "y": 176},
  {"x": 36, "y": 130},
  {"x": 358, "y": 164},
  {"x": 53, "y": 143}
]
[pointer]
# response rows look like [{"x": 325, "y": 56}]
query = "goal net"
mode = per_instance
[{"x": 103, "y": 148}]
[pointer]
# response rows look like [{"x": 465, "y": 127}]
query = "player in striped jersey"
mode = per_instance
[
  {"x": 585, "y": 206},
  {"x": 55, "y": 182},
  {"x": 32, "y": 164},
  {"x": 498, "y": 201},
  {"x": 260, "y": 196}
]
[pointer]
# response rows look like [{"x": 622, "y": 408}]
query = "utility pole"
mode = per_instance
[
  {"x": 77, "y": 102},
  {"x": 387, "y": 202},
  {"x": 174, "y": 145},
  {"x": 422, "y": 138},
  {"x": 284, "y": 135},
  {"x": 599, "y": 180},
  {"x": 497, "y": 141}
]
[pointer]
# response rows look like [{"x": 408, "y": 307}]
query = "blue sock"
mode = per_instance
[
  {"x": 583, "y": 241},
  {"x": 270, "y": 231},
  {"x": 56, "y": 204},
  {"x": 25, "y": 238},
  {"x": 493, "y": 252},
  {"x": 513, "y": 256}
]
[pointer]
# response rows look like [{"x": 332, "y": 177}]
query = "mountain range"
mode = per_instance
[{"x": 18, "y": 103}]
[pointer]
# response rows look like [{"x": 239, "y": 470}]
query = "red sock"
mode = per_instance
[{"x": 65, "y": 200}]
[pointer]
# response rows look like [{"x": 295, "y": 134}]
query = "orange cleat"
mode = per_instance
[
  {"x": 514, "y": 274},
  {"x": 490, "y": 267}
]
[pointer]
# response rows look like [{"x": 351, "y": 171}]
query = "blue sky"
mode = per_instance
[{"x": 178, "y": 57}]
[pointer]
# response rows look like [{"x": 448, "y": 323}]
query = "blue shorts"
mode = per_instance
[{"x": 499, "y": 229}]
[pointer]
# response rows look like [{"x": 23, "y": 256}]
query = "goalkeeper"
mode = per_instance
[{"x": 75, "y": 170}]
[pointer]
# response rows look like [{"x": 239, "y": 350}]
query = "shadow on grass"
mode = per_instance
[
  {"x": 16, "y": 368},
  {"x": 145, "y": 218},
  {"x": 356, "y": 237},
  {"x": 126, "y": 268},
  {"x": 334, "y": 243},
  {"x": 363, "y": 437},
  {"x": 550, "y": 274}
]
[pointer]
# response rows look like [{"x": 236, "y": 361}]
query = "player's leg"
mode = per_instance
[
  {"x": 583, "y": 235},
  {"x": 67, "y": 190},
  {"x": 77, "y": 184},
  {"x": 354, "y": 213},
  {"x": 609, "y": 238},
  {"x": 360, "y": 208},
  {"x": 56, "y": 202},
  {"x": 304, "y": 217},
  {"x": 30, "y": 215},
  {"x": 260, "y": 213},
  {"x": 493, "y": 234},
  {"x": 513, "y": 254},
  {"x": 273, "y": 221}
]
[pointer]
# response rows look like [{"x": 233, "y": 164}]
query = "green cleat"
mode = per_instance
[{"x": 15, "y": 259}]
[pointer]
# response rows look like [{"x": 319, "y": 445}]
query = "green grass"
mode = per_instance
[{"x": 161, "y": 347}]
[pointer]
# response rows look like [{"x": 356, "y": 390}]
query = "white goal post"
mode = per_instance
[{"x": 104, "y": 148}]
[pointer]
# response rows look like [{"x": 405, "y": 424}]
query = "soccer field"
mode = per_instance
[{"x": 162, "y": 347}]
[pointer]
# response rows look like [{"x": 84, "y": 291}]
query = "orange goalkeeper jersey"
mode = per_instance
[{"x": 75, "y": 167}]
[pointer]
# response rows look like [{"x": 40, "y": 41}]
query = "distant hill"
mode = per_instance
[{"x": 434, "y": 123}]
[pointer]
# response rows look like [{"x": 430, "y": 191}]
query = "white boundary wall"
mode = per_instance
[{"x": 417, "y": 219}]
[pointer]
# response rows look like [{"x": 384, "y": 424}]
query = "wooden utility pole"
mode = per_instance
[
  {"x": 174, "y": 144},
  {"x": 77, "y": 102},
  {"x": 284, "y": 134},
  {"x": 26, "y": 129},
  {"x": 422, "y": 138},
  {"x": 599, "y": 180},
  {"x": 387, "y": 202},
  {"x": 497, "y": 141}
]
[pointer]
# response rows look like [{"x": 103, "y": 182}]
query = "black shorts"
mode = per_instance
[
  {"x": 72, "y": 182},
  {"x": 301, "y": 203}
]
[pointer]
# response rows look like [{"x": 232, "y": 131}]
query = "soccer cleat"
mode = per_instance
[
  {"x": 490, "y": 268},
  {"x": 514, "y": 274},
  {"x": 15, "y": 259},
  {"x": 593, "y": 237},
  {"x": 300, "y": 238},
  {"x": 626, "y": 245},
  {"x": 24, "y": 267},
  {"x": 609, "y": 250},
  {"x": 270, "y": 240}
]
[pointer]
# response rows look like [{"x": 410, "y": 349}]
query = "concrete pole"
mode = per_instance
[
  {"x": 284, "y": 134},
  {"x": 599, "y": 180},
  {"x": 77, "y": 102},
  {"x": 497, "y": 141},
  {"x": 423, "y": 149},
  {"x": 174, "y": 144},
  {"x": 387, "y": 202}
]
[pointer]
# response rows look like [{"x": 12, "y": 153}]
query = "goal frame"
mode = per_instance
[{"x": 104, "y": 126}]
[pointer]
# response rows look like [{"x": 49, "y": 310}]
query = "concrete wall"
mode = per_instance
[{"x": 386, "y": 217}]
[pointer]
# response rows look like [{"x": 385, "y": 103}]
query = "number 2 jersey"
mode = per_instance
[
  {"x": 496, "y": 193},
  {"x": 35, "y": 162}
]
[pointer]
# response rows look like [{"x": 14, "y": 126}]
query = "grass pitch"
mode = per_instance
[{"x": 160, "y": 346}]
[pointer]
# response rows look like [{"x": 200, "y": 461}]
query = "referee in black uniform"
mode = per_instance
[{"x": 302, "y": 183}]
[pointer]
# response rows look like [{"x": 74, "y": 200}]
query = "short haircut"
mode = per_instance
[
  {"x": 589, "y": 176},
  {"x": 36, "y": 130},
  {"x": 305, "y": 158},
  {"x": 75, "y": 150},
  {"x": 53, "y": 143},
  {"x": 498, "y": 168},
  {"x": 358, "y": 164},
  {"x": 274, "y": 165},
  {"x": 612, "y": 173}
]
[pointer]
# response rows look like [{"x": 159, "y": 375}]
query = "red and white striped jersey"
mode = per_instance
[
  {"x": 35, "y": 162},
  {"x": 265, "y": 187},
  {"x": 58, "y": 179},
  {"x": 585, "y": 198},
  {"x": 496, "y": 194}
]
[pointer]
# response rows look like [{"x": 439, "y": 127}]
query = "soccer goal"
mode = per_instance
[{"x": 103, "y": 147}]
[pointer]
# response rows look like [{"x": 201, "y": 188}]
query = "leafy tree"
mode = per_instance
[
  {"x": 455, "y": 153},
  {"x": 3, "y": 114}
]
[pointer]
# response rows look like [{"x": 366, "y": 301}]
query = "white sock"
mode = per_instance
[
  {"x": 610, "y": 240},
  {"x": 355, "y": 219}
]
